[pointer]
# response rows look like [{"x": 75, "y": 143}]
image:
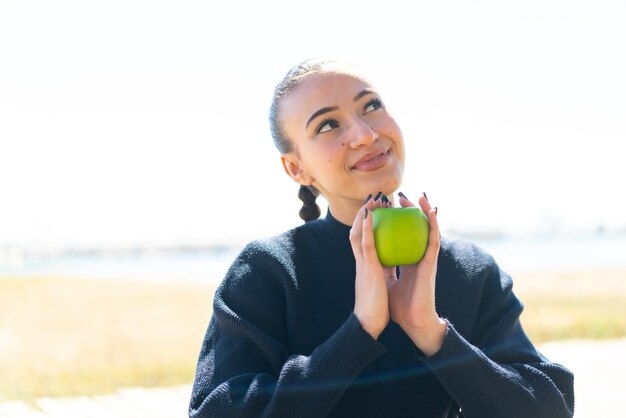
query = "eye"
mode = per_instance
[
  {"x": 326, "y": 125},
  {"x": 372, "y": 105}
]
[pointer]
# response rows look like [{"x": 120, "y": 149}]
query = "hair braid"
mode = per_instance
[{"x": 310, "y": 211}]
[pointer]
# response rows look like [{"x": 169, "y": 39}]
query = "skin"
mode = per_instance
[{"x": 347, "y": 145}]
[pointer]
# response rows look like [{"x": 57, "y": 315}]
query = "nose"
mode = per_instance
[{"x": 362, "y": 134}]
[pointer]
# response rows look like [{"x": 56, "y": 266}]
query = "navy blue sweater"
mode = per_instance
[{"x": 283, "y": 341}]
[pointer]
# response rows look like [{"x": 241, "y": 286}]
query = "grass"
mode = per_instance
[
  {"x": 61, "y": 337},
  {"x": 575, "y": 304},
  {"x": 64, "y": 337}
]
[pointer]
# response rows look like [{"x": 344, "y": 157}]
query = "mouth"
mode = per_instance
[{"x": 372, "y": 161}]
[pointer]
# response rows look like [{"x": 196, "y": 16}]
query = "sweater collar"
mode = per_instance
[
  {"x": 337, "y": 233},
  {"x": 335, "y": 224}
]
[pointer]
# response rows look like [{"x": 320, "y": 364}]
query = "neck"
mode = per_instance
[
  {"x": 346, "y": 210},
  {"x": 344, "y": 213}
]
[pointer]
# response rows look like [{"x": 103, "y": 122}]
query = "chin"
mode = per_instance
[
  {"x": 386, "y": 181},
  {"x": 387, "y": 187},
  {"x": 392, "y": 183}
]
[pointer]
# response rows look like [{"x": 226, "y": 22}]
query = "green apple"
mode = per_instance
[{"x": 400, "y": 235}]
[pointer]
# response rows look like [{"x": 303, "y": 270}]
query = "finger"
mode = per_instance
[
  {"x": 355, "y": 234},
  {"x": 424, "y": 204},
  {"x": 371, "y": 205},
  {"x": 368, "y": 245},
  {"x": 390, "y": 275},
  {"x": 386, "y": 203},
  {"x": 377, "y": 201},
  {"x": 434, "y": 236},
  {"x": 404, "y": 201}
]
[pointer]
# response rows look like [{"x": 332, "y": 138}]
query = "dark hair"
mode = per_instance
[
  {"x": 283, "y": 88},
  {"x": 310, "y": 210}
]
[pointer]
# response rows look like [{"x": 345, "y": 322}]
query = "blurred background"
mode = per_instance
[{"x": 136, "y": 161}]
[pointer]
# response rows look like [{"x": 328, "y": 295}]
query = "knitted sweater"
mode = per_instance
[{"x": 283, "y": 341}]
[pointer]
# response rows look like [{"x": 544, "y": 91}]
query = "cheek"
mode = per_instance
[
  {"x": 337, "y": 152},
  {"x": 396, "y": 135},
  {"x": 331, "y": 158},
  {"x": 328, "y": 156},
  {"x": 388, "y": 127}
]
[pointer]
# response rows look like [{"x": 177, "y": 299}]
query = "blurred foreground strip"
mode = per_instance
[
  {"x": 598, "y": 374},
  {"x": 597, "y": 383},
  {"x": 124, "y": 403}
]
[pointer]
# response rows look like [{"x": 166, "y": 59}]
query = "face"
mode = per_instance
[{"x": 345, "y": 143}]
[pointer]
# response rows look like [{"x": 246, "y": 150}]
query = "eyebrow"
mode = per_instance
[
  {"x": 363, "y": 93},
  {"x": 321, "y": 112},
  {"x": 332, "y": 108}
]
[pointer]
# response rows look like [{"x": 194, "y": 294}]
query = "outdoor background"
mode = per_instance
[{"x": 136, "y": 160}]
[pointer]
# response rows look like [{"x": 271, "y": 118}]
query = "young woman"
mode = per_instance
[{"x": 309, "y": 324}]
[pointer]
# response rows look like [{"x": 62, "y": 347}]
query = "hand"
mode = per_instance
[
  {"x": 412, "y": 296},
  {"x": 371, "y": 304}
]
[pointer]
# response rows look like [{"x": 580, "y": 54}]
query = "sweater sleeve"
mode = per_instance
[
  {"x": 501, "y": 374},
  {"x": 245, "y": 368}
]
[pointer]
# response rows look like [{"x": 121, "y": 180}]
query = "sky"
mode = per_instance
[{"x": 144, "y": 123}]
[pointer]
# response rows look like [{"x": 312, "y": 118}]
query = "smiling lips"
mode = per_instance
[{"x": 372, "y": 161}]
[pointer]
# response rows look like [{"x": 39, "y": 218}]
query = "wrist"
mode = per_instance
[
  {"x": 370, "y": 325},
  {"x": 428, "y": 339}
]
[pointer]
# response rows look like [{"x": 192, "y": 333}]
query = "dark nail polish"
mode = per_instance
[
  {"x": 377, "y": 196},
  {"x": 365, "y": 217},
  {"x": 369, "y": 196},
  {"x": 425, "y": 196},
  {"x": 385, "y": 199},
  {"x": 436, "y": 209},
  {"x": 402, "y": 195}
]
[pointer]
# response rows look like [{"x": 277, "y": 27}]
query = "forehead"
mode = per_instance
[
  {"x": 319, "y": 90},
  {"x": 327, "y": 86}
]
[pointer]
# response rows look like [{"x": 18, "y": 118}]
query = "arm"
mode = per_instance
[
  {"x": 501, "y": 373},
  {"x": 245, "y": 369}
]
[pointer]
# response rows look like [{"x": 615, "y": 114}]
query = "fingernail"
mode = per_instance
[
  {"x": 365, "y": 217},
  {"x": 369, "y": 196},
  {"x": 402, "y": 195},
  {"x": 385, "y": 199},
  {"x": 436, "y": 209},
  {"x": 377, "y": 196},
  {"x": 425, "y": 196}
]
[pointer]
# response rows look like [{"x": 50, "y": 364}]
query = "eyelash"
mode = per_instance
[
  {"x": 324, "y": 123},
  {"x": 378, "y": 104}
]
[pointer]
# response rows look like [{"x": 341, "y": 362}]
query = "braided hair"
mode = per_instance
[{"x": 310, "y": 210}]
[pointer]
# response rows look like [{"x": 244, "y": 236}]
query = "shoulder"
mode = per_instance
[
  {"x": 471, "y": 262},
  {"x": 465, "y": 255},
  {"x": 265, "y": 254},
  {"x": 263, "y": 272},
  {"x": 273, "y": 257},
  {"x": 255, "y": 278},
  {"x": 281, "y": 248}
]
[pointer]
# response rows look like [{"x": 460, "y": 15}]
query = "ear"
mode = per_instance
[{"x": 295, "y": 171}]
